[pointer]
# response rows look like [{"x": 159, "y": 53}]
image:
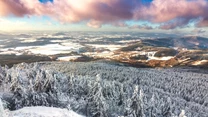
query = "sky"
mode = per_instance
[{"x": 105, "y": 15}]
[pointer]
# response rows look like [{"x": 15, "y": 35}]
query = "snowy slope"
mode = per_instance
[{"x": 41, "y": 111}]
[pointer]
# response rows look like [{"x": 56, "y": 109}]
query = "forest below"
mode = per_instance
[{"x": 102, "y": 89}]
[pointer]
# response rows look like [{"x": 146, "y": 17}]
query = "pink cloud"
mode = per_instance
[
  {"x": 165, "y": 10},
  {"x": 143, "y": 27},
  {"x": 173, "y": 13},
  {"x": 169, "y": 14},
  {"x": 203, "y": 22},
  {"x": 120, "y": 24},
  {"x": 17, "y": 8},
  {"x": 94, "y": 24},
  {"x": 104, "y": 11},
  {"x": 179, "y": 23}
]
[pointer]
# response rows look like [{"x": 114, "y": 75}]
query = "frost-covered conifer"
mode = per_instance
[
  {"x": 182, "y": 114},
  {"x": 116, "y": 93},
  {"x": 2, "y": 112},
  {"x": 135, "y": 107},
  {"x": 97, "y": 100}
]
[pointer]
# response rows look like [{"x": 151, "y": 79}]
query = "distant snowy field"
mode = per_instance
[{"x": 51, "y": 43}]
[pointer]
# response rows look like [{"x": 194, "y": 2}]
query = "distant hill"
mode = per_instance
[
  {"x": 159, "y": 42},
  {"x": 189, "y": 42}
]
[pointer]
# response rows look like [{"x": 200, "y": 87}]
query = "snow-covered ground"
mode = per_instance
[
  {"x": 161, "y": 58},
  {"x": 52, "y": 49},
  {"x": 105, "y": 54},
  {"x": 43, "y": 112},
  {"x": 110, "y": 47},
  {"x": 25, "y": 40},
  {"x": 199, "y": 62},
  {"x": 49, "y": 49},
  {"x": 129, "y": 41},
  {"x": 40, "y": 111},
  {"x": 68, "y": 58}
]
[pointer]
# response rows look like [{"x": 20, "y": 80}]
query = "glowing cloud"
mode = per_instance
[
  {"x": 174, "y": 13},
  {"x": 169, "y": 14}
]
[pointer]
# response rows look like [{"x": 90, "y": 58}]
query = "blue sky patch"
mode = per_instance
[{"x": 44, "y": 1}]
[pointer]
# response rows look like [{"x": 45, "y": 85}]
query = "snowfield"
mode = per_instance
[
  {"x": 110, "y": 47},
  {"x": 68, "y": 58},
  {"x": 42, "y": 112},
  {"x": 49, "y": 49}
]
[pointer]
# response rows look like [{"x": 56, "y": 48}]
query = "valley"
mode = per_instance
[{"x": 135, "y": 49}]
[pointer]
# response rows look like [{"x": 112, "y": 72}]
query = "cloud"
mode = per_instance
[
  {"x": 169, "y": 14},
  {"x": 94, "y": 24},
  {"x": 17, "y": 8},
  {"x": 173, "y": 13},
  {"x": 166, "y": 10},
  {"x": 1, "y": 20},
  {"x": 179, "y": 23},
  {"x": 142, "y": 27},
  {"x": 198, "y": 31},
  {"x": 203, "y": 22},
  {"x": 120, "y": 24},
  {"x": 12, "y": 25},
  {"x": 70, "y": 11}
]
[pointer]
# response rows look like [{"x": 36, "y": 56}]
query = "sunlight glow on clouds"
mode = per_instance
[
  {"x": 168, "y": 14},
  {"x": 6, "y": 24}
]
